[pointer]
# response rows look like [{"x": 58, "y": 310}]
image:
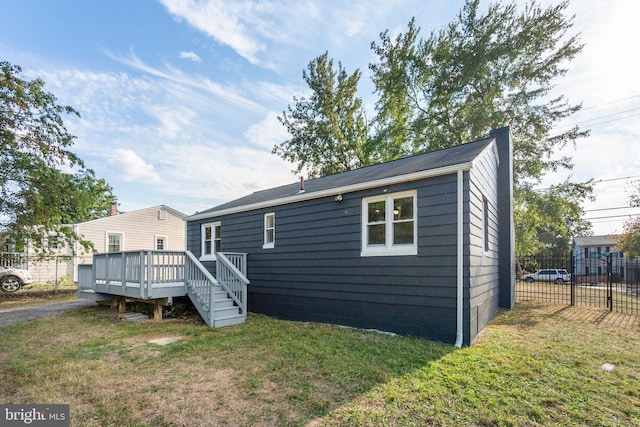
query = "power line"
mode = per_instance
[
  {"x": 611, "y": 102},
  {"x": 612, "y": 216},
  {"x": 584, "y": 122},
  {"x": 616, "y": 179},
  {"x": 597, "y": 181},
  {"x": 610, "y": 209}
]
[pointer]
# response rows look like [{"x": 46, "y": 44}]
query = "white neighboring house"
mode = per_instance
[
  {"x": 590, "y": 254},
  {"x": 159, "y": 227}
]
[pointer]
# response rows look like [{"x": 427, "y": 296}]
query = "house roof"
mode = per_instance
[
  {"x": 606, "y": 240},
  {"x": 434, "y": 163},
  {"x": 120, "y": 215}
]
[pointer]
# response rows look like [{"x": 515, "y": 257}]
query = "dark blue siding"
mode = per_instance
[
  {"x": 315, "y": 271},
  {"x": 483, "y": 264}
]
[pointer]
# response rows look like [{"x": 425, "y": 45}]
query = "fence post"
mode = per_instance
[
  {"x": 610, "y": 282},
  {"x": 573, "y": 280}
]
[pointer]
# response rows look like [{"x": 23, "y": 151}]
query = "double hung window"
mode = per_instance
[
  {"x": 389, "y": 225},
  {"x": 114, "y": 242},
  {"x": 210, "y": 240},
  {"x": 269, "y": 230}
]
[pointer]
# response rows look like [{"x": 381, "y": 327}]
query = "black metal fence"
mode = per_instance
[{"x": 607, "y": 281}]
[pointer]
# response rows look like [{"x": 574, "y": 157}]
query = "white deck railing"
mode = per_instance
[
  {"x": 151, "y": 274},
  {"x": 141, "y": 270},
  {"x": 231, "y": 273}
]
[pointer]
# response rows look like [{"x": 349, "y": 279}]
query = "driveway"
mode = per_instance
[{"x": 18, "y": 315}]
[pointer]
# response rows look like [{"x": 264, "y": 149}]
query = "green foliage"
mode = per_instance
[
  {"x": 530, "y": 367},
  {"x": 547, "y": 219},
  {"x": 629, "y": 241},
  {"x": 481, "y": 71},
  {"x": 328, "y": 129},
  {"x": 38, "y": 198}
]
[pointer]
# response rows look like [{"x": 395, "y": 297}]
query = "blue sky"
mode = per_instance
[{"x": 179, "y": 98}]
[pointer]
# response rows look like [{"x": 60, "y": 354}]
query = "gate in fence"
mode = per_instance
[{"x": 606, "y": 280}]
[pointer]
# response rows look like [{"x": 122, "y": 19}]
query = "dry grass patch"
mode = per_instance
[
  {"x": 264, "y": 372},
  {"x": 37, "y": 294},
  {"x": 534, "y": 365}
]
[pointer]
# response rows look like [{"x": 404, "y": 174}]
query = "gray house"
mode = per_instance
[{"x": 419, "y": 246}]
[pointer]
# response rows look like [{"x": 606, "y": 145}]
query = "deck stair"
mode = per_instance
[
  {"x": 221, "y": 300},
  {"x": 217, "y": 300}
]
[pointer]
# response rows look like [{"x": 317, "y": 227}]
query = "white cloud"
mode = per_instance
[
  {"x": 272, "y": 34},
  {"x": 220, "y": 20},
  {"x": 190, "y": 55},
  {"x": 268, "y": 132},
  {"x": 214, "y": 173},
  {"x": 130, "y": 167}
]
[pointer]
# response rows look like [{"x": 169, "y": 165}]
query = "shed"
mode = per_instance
[{"x": 420, "y": 246}]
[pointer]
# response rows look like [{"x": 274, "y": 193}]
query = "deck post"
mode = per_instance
[
  {"x": 157, "y": 309},
  {"x": 212, "y": 300},
  {"x": 149, "y": 275},
  {"x": 106, "y": 272},
  {"x": 93, "y": 273},
  {"x": 141, "y": 273},
  {"x": 122, "y": 305},
  {"x": 123, "y": 272}
]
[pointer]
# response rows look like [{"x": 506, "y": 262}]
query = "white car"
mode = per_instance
[
  {"x": 11, "y": 279},
  {"x": 557, "y": 275}
]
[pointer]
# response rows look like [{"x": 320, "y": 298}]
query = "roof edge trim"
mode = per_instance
[{"x": 415, "y": 176}]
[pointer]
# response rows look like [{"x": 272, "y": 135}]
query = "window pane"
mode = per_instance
[
  {"x": 376, "y": 234},
  {"x": 207, "y": 247},
  {"x": 403, "y": 233},
  {"x": 217, "y": 245},
  {"x": 376, "y": 211},
  {"x": 207, "y": 233},
  {"x": 114, "y": 243},
  {"x": 270, "y": 221},
  {"x": 269, "y": 236},
  {"x": 403, "y": 208},
  {"x": 217, "y": 233}
]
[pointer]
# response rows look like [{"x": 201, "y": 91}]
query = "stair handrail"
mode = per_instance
[
  {"x": 224, "y": 266},
  {"x": 201, "y": 267}
]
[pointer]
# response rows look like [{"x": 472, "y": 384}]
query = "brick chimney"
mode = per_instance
[{"x": 113, "y": 209}]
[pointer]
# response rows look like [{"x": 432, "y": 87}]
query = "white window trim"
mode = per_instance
[
  {"x": 389, "y": 249},
  {"x": 106, "y": 240},
  {"x": 266, "y": 244},
  {"x": 155, "y": 242},
  {"x": 212, "y": 255}
]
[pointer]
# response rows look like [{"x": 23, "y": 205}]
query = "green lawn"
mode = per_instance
[{"x": 532, "y": 366}]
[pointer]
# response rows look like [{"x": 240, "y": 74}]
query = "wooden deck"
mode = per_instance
[{"x": 158, "y": 276}]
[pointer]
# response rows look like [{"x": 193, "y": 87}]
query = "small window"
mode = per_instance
[
  {"x": 161, "y": 243},
  {"x": 210, "y": 240},
  {"x": 485, "y": 216},
  {"x": 53, "y": 242},
  {"x": 114, "y": 242},
  {"x": 389, "y": 225},
  {"x": 269, "y": 230}
]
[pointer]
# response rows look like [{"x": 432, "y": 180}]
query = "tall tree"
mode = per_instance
[
  {"x": 629, "y": 241},
  {"x": 37, "y": 197},
  {"x": 481, "y": 71},
  {"x": 328, "y": 129}
]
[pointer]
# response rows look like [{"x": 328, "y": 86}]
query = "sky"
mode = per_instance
[{"x": 179, "y": 99}]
